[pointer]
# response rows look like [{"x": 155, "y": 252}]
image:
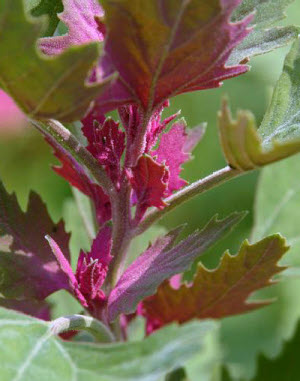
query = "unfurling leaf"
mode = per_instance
[
  {"x": 106, "y": 142},
  {"x": 28, "y": 268},
  {"x": 163, "y": 260},
  {"x": 43, "y": 87},
  {"x": 172, "y": 47},
  {"x": 221, "y": 292},
  {"x": 174, "y": 150},
  {"x": 264, "y": 37},
  {"x": 91, "y": 271},
  {"x": 243, "y": 146},
  {"x": 25, "y": 338},
  {"x": 149, "y": 182}
]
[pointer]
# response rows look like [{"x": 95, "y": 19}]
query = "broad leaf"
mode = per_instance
[
  {"x": 223, "y": 291},
  {"x": 29, "y": 352},
  {"x": 244, "y": 147},
  {"x": 160, "y": 51},
  {"x": 264, "y": 37},
  {"x": 43, "y": 87},
  {"x": 28, "y": 267},
  {"x": 281, "y": 122},
  {"x": 163, "y": 260},
  {"x": 277, "y": 205},
  {"x": 285, "y": 366},
  {"x": 49, "y": 8}
]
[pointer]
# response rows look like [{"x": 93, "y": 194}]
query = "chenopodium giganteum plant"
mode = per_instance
[{"x": 133, "y": 56}]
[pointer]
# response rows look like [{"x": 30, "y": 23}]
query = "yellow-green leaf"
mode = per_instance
[
  {"x": 244, "y": 147},
  {"x": 223, "y": 291}
]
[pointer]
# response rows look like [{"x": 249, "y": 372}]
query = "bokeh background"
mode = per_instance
[{"x": 25, "y": 164}]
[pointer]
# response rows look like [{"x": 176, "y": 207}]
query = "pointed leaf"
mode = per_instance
[
  {"x": 28, "y": 351},
  {"x": 28, "y": 267},
  {"x": 264, "y": 37},
  {"x": 244, "y": 147},
  {"x": 160, "y": 51},
  {"x": 49, "y": 8},
  {"x": 223, "y": 291},
  {"x": 43, "y": 87},
  {"x": 77, "y": 176},
  {"x": 163, "y": 260}
]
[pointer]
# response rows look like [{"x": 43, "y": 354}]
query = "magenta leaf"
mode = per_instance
[
  {"x": 163, "y": 260},
  {"x": 81, "y": 19},
  {"x": 149, "y": 182},
  {"x": 36, "y": 308},
  {"x": 90, "y": 273},
  {"x": 174, "y": 150},
  {"x": 28, "y": 268},
  {"x": 106, "y": 143},
  {"x": 76, "y": 175},
  {"x": 186, "y": 50}
]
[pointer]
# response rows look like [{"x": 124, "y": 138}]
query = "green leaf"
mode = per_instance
[
  {"x": 43, "y": 87},
  {"x": 243, "y": 146},
  {"x": 285, "y": 366},
  {"x": 29, "y": 352},
  {"x": 277, "y": 205},
  {"x": 49, "y": 8},
  {"x": 282, "y": 120},
  {"x": 221, "y": 292},
  {"x": 264, "y": 37},
  {"x": 279, "y": 134}
]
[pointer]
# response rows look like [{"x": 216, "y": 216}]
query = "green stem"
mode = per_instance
[
  {"x": 185, "y": 194},
  {"x": 68, "y": 141},
  {"x": 80, "y": 322}
]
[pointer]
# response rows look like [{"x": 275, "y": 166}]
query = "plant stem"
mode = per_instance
[
  {"x": 80, "y": 322},
  {"x": 121, "y": 236},
  {"x": 186, "y": 194},
  {"x": 68, "y": 141}
]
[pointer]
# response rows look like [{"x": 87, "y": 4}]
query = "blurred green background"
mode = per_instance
[{"x": 25, "y": 164}]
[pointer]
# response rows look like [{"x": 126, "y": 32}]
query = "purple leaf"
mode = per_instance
[
  {"x": 28, "y": 268},
  {"x": 167, "y": 48},
  {"x": 172, "y": 151},
  {"x": 81, "y": 19},
  {"x": 106, "y": 143},
  {"x": 36, "y": 308},
  {"x": 149, "y": 182},
  {"x": 163, "y": 260},
  {"x": 77, "y": 177}
]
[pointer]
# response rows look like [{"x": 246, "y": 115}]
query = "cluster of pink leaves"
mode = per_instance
[{"x": 151, "y": 165}]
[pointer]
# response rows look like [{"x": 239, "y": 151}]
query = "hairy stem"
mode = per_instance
[
  {"x": 186, "y": 194},
  {"x": 121, "y": 237},
  {"x": 68, "y": 141},
  {"x": 80, "y": 322}
]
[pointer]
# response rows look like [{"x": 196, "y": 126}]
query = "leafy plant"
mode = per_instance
[{"x": 131, "y": 57}]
